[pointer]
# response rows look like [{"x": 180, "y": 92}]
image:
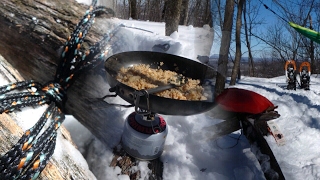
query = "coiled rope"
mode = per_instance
[{"x": 29, "y": 156}]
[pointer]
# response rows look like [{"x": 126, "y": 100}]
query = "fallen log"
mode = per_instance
[
  {"x": 11, "y": 132},
  {"x": 261, "y": 148},
  {"x": 32, "y": 32}
]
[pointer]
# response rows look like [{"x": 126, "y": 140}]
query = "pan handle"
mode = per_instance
[
  {"x": 145, "y": 93},
  {"x": 100, "y": 103}
]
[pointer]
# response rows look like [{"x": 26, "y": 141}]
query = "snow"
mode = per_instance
[
  {"x": 187, "y": 41},
  {"x": 189, "y": 152},
  {"x": 299, "y": 122}
]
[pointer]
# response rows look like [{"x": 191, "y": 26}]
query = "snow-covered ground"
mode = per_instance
[
  {"x": 189, "y": 153},
  {"x": 299, "y": 158}
]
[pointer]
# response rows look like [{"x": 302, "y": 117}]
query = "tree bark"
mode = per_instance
[
  {"x": 236, "y": 66},
  {"x": 11, "y": 132},
  {"x": 207, "y": 14},
  {"x": 246, "y": 30},
  {"x": 224, "y": 48},
  {"x": 184, "y": 12},
  {"x": 32, "y": 50},
  {"x": 311, "y": 52},
  {"x": 172, "y": 15},
  {"x": 133, "y": 9}
]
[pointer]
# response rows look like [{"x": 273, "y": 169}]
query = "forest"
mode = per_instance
[{"x": 253, "y": 39}]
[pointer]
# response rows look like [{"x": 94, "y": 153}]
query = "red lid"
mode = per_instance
[{"x": 241, "y": 100}]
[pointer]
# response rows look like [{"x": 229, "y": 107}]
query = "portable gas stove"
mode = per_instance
[
  {"x": 144, "y": 136},
  {"x": 145, "y": 131}
]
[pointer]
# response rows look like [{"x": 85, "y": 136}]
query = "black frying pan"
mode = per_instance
[{"x": 161, "y": 105}]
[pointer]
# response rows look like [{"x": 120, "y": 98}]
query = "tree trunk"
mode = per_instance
[
  {"x": 172, "y": 15},
  {"x": 313, "y": 64},
  {"x": 224, "y": 48},
  {"x": 184, "y": 12},
  {"x": 138, "y": 10},
  {"x": 11, "y": 132},
  {"x": 195, "y": 16},
  {"x": 207, "y": 15},
  {"x": 246, "y": 30},
  {"x": 146, "y": 8},
  {"x": 236, "y": 66},
  {"x": 124, "y": 14},
  {"x": 133, "y": 9}
]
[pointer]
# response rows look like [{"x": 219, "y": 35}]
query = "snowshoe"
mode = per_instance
[
  {"x": 305, "y": 72},
  {"x": 290, "y": 71}
]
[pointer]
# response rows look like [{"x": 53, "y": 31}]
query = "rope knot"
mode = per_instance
[{"x": 56, "y": 93}]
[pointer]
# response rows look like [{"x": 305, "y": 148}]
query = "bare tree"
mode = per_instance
[
  {"x": 146, "y": 8},
  {"x": 156, "y": 10},
  {"x": 285, "y": 40},
  {"x": 122, "y": 10},
  {"x": 139, "y": 9},
  {"x": 220, "y": 14},
  {"x": 184, "y": 12},
  {"x": 194, "y": 12},
  {"x": 236, "y": 66},
  {"x": 133, "y": 9},
  {"x": 251, "y": 66},
  {"x": 199, "y": 12},
  {"x": 311, "y": 49},
  {"x": 172, "y": 15},
  {"x": 224, "y": 48},
  {"x": 251, "y": 21},
  {"x": 195, "y": 6},
  {"x": 207, "y": 14}
]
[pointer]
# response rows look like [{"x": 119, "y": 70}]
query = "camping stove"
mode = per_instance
[
  {"x": 144, "y": 135},
  {"x": 145, "y": 131}
]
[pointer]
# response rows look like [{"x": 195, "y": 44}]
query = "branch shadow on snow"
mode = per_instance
[{"x": 200, "y": 152}]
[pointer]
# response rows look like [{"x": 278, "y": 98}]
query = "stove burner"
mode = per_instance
[{"x": 153, "y": 126}]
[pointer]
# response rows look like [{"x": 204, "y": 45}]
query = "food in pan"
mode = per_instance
[{"x": 141, "y": 76}]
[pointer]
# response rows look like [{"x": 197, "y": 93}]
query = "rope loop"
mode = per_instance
[{"x": 56, "y": 93}]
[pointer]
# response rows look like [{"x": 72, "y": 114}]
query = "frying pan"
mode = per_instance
[{"x": 153, "y": 103}]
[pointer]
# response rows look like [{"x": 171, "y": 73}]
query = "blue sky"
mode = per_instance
[
  {"x": 267, "y": 14},
  {"x": 268, "y": 19}
]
